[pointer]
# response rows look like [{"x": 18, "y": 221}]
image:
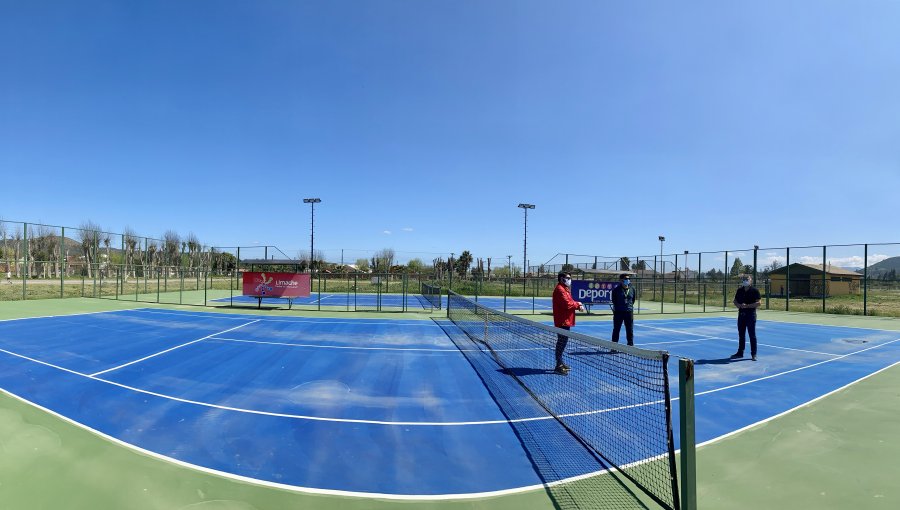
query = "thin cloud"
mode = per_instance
[
  {"x": 407, "y": 229},
  {"x": 387, "y": 232}
]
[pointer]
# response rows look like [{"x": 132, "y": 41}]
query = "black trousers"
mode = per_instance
[
  {"x": 747, "y": 324},
  {"x": 628, "y": 319},
  {"x": 561, "y": 341}
]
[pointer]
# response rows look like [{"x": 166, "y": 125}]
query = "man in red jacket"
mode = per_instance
[{"x": 563, "y": 316}]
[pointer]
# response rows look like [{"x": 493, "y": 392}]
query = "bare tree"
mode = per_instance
[
  {"x": 132, "y": 244},
  {"x": 17, "y": 245},
  {"x": 171, "y": 242},
  {"x": 383, "y": 260},
  {"x": 152, "y": 255},
  {"x": 3, "y": 233},
  {"x": 89, "y": 235},
  {"x": 193, "y": 247},
  {"x": 107, "y": 239}
]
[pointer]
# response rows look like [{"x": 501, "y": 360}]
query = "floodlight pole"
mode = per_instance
[
  {"x": 526, "y": 207},
  {"x": 312, "y": 226},
  {"x": 662, "y": 239}
]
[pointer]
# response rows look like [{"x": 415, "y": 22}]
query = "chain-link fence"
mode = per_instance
[{"x": 41, "y": 261}]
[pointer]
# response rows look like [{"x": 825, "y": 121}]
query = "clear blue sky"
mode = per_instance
[{"x": 422, "y": 124}]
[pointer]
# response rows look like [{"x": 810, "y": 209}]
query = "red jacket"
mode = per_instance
[{"x": 564, "y": 306}]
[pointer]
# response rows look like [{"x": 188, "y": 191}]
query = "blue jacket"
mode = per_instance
[{"x": 623, "y": 299}]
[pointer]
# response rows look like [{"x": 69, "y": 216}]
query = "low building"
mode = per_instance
[{"x": 806, "y": 281}]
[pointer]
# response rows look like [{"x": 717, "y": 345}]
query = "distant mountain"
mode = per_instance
[{"x": 885, "y": 266}]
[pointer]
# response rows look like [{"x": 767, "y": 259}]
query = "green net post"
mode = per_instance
[
  {"x": 118, "y": 276},
  {"x": 319, "y": 301},
  {"x": 205, "y": 275},
  {"x": 687, "y": 434}
]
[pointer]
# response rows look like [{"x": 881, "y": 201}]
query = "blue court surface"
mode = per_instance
[{"x": 374, "y": 406}]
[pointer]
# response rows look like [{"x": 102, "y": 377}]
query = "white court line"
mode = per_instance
[
  {"x": 315, "y": 320},
  {"x": 352, "y": 347},
  {"x": 311, "y": 490},
  {"x": 432, "y": 424},
  {"x": 795, "y": 369},
  {"x": 319, "y": 418},
  {"x": 170, "y": 349},
  {"x": 674, "y": 342},
  {"x": 771, "y": 321},
  {"x": 708, "y": 337},
  {"x": 68, "y": 315},
  {"x": 809, "y": 402}
]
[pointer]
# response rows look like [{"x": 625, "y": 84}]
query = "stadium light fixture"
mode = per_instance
[
  {"x": 525, "y": 207},
  {"x": 662, "y": 239},
  {"x": 312, "y": 227}
]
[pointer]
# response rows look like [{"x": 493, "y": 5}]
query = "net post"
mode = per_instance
[{"x": 688, "y": 440}]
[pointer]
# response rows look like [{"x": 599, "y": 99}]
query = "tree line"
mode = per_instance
[{"x": 89, "y": 250}]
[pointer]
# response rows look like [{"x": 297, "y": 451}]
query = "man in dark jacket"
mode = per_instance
[
  {"x": 563, "y": 316},
  {"x": 623, "y": 309},
  {"x": 746, "y": 299}
]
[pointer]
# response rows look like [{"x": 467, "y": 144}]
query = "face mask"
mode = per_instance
[
  {"x": 745, "y": 283},
  {"x": 626, "y": 282},
  {"x": 568, "y": 282}
]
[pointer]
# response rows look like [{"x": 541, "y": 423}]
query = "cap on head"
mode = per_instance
[
  {"x": 623, "y": 276},
  {"x": 563, "y": 274}
]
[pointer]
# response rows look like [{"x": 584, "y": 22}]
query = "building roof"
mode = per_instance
[{"x": 799, "y": 268}]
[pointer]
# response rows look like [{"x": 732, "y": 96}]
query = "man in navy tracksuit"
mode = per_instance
[
  {"x": 746, "y": 299},
  {"x": 623, "y": 309}
]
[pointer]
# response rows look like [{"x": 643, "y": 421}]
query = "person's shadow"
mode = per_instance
[{"x": 719, "y": 361}]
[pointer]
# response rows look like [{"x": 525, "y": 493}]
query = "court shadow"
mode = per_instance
[
  {"x": 718, "y": 361},
  {"x": 555, "y": 454}
]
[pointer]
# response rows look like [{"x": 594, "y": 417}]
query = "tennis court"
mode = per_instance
[
  {"x": 352, "y": 301},
  {"x": 388, "y": 409}
]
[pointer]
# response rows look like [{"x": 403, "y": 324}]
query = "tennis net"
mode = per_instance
[
  {"x": 615, "y": 400},
  {"x": 432, "y": 294}
]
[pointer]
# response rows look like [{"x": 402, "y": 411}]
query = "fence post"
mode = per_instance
[
  {"x": 824, "y": 277},
  {"x": 699, "y": 279},
  {"x": 865, "y": 278},
  {"x": 25, "y": 249},
  {"x": 787, "y": 298},
  {"x": 725, "y": 284},
  {"x": 62, "y": 262}
]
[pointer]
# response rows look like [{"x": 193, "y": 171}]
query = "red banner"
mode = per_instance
[{"x": 287, "y": 285}]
